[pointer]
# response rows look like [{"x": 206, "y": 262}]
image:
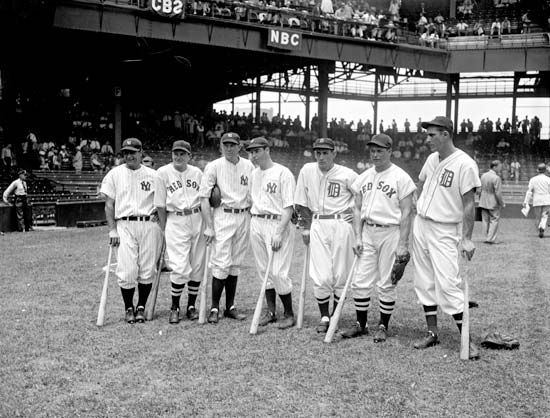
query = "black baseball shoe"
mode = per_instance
[
  {"x": 355, "y": 331},
  {"x": 428, "y": 341},
  {"x": 267, "y": 318},
  {"x": 192, "y": 313},
  {"x": 140, "y": 314},
  {"x": 322, "y": 328},
  {"x": 130, "y": 317},
  {"x": 541, "y": 232},
  {"x": 380, "y": 334},
  {"x": 287, "y": 322},
  {"x": 474, "y": 351},
  {"x": 213, "y": 317},
  {"x": 234, "y": 314},
  {"x": 174, "y": 316}
]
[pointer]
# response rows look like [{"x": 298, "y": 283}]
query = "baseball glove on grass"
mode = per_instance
[
  {"x": 215, "y": 197},
  {"x": 399, "y": 267},
  {"x": 497, "y": 341}
]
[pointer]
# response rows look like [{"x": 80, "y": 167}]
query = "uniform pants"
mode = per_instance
[
  {"x": 230, "y": 243},
  {"x": 261, "y": 232},
  {"x": 489, "y": 220},
  {"x": 541, "y": 215},
  {"x": 376, "y": 262},
  {"x": 331, "y": 246},
  {"x": 185, "y": 247},
  {"x": 435, "y": 257},
  {"x": 138, "y": 252},
  {"x": 22, "y": 213}
]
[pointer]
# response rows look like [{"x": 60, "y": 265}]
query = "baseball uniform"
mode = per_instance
[
  {"x": 330, "y": 197},
  {"x": 538, "y": 194},
  {"x": 437, "y": 229},
  {"x": 490, "y": 203},
  {"x": 178, "y": 192}
]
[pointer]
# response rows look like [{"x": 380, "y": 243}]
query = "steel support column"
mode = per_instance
[
  {"x": 375, "y": 104},
  {"x": 307, "y": 86},
  {"x": 514, "y": 100},
  {"x": 258, "y": 112},
  {"x": 322, "y": 77},
  {"x": 449, "y": 97}
]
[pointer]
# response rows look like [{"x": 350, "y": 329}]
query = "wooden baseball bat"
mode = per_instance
[
  {"x": 302, "y": 301},
  {"x": 465, "y": 336},
  {"x": 152, "y": 299},
  {"x": 204, "y": 289},
  {"x": 336, "y": 316},
  {"x": 260, "y": 302},
  {"x": 103, "y": 302}
]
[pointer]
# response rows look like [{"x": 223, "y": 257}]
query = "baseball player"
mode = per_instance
[
  {"x": 272, "y": 189},
  {"x": 178, "y": 206},
  {"x": 227, "y": 226},
  {"x": 129, "y": 207},
  {"x": 19, "y": 188},
  {"x": 538, "y": 192},
  {"x": 445, "y": 221},
  {"x": 383, "y": 202},
  {"x": 491, "y": 201},
  {"x": 324, "y": 199}
]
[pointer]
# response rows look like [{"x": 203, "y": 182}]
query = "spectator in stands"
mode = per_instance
[
  {"x": 421, "y": 25},
  {"x": 515, "y": 168},
  {"x": 496, "y": 27},
  {"x": 498, "y": 125},
  {"x": 407, "y": 126},
  {"x": 147, "y": 161},
  {"x": 470, "y": 126},
  {"x": 468, "y": 8},
  {"x": 478, "y": 28},
  {"x": 507, "y": 125},
  {"x": 7, "y": 158},
  {"x": 525, "y": 125},
  {"x": 419, "y": 125},
  {"x": 462, "y": 28},
  {"x": 326, "y": 7},
  {"x": 463, "y": 126},
  {"x": 65, "y": 158},
  {"x": 506, "y": 26},
  {"x": 107, "y": 149},
  {"x": 526, "y": 23},
  {"x": 77, "y": 160}
]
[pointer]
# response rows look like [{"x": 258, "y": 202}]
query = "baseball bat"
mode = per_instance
[
  {"x": 336, "y": 316},
  {"x": 204, "y": 289},
  {"x": 152, "y": 299},
  {"x": 103, "y": 302},
  {"x": 302, "y": 301},
  {"x": 465, "y": 335},
  {"x": 260, "y": 302}
]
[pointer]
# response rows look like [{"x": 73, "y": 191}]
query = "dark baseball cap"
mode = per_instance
[
  {"x": 231, "y": 137},
  {"x": 440, "y": 121},
  {"x": 541, "y": 168},
  {"x": 182, "y": 145},
  {"x": 381, "y": 140},
  {"x": 131, "y": 144},
  {"x": 258, "y": 142},
  {"x": 323, "y": 143}
]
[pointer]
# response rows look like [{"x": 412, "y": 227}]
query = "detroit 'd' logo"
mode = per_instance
[{"x": 446, "y": 179}]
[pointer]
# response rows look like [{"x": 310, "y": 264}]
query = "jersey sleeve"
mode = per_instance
[
  {"x": 288, "y": 187},
  {"x": 160, "y": 189},
  {"x": 469, "y": 178},
  {"x": 300, "y": 195},
  {"x": 356, "y": 185},
  {"x": 108, "y": 185},
  {"x": 424, "y": 172},
  {"x": 208, "y": 180},
  {"x": 406, "y": 186}
]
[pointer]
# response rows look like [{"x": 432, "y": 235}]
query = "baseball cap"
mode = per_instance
[
  {"x": 323, "y": 143},
  {"x": 231, "y": 137},
  {"x": 147, "y": 159},
  {"x": 441, "y": 121},
  {"x": 259, "y": 142},
  {"x": 182, "y": 145},
  {"x": 131, "y": 144},
  {"x": 22, "y": 172},
  {"x": 541, "y": 167},
  {"x": 382, "y": 140}
]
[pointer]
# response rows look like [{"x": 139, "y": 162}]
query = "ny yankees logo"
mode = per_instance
[
  {"x": 446, "y": 178},
  {"x": 271, "y": 188},
  {"x": 145, "y": 185},
  {"x": 244, "y": 180},
  {"x": 333, "y": 189}
]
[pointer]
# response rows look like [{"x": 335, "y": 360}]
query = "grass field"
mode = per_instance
[{"x": 56, "y": 362}]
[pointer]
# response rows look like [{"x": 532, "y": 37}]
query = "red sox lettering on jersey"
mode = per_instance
[{"x": 178, "y": 190}]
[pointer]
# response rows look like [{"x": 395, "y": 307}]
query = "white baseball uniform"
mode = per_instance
[
  {"x": 140, "y": 237},
  {"x": 232, "y": 217},
  {"x": 272, "y": 190},
  {"x": 538, "y": 194},
  {"x": 437, "y": 229},
  {"x": 381, "y": 194},
  {"x": 178, "y": 192},
  {"x": 328, "y": 195}
]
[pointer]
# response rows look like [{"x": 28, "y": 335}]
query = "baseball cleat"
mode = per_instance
[
  {"x": 322, "y": 328},
  {"x": 286, "y": 322},
  {"x": 541, "y": 232},
  {"x": 140, "y": 314},
  {"x": 234, "y": 314},
  {"x": 428, "y": 341},
  {"x": 213, "y": 317},
  {"x": 380, "y": 335},
  {"x": 355, "y": 331},
  {"x": 192, "y": 313},
  {"x": 130, "y": 317},
  {"x": 474, "y": 351},
  {"x": 174, "y": 316},
  {"x": 267, "y": 318}
]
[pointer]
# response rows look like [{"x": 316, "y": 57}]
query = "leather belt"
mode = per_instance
[
  {"x": 135, "y": 218},
  {"x": 337, "y": 216},
  {"x": 186, "y": 211},
  {"x": 377, "y": 225},
  {"x": 231, "y": 210},
  {"x": 266, "y": 216}
]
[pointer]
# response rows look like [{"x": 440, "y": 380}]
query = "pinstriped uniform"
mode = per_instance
[
  {"x": 272, "y": 190},
  {"x": 231, "y": 229},
  {"x": 140, "y": 241},
  {"x": 381, "y": 194},
  {"x": 331, "y": 240},
  {"x": 178, "y": 191}
]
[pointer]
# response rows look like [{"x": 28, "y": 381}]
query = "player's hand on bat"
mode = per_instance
[
  {"x": 468, "y": 248},
  {"x": 209, "y": 234},
  {"x": 401, "y": 251},
  {"x": 305, "y": 236},
  {"x": 358, "y": 247},
  {"x": 276, "y": 241},
  {"x": 114, "y": 239}
]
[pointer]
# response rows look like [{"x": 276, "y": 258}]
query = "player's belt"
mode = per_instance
[
  {"x": 186, "y": 211},
  {"x": 136, "y": 218},
  {"x": 337, "y": 216},
  {"x": 266, "y": 216},
  {"x": 377, "y": 225},
  {"x": 231, "y": 210}
]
